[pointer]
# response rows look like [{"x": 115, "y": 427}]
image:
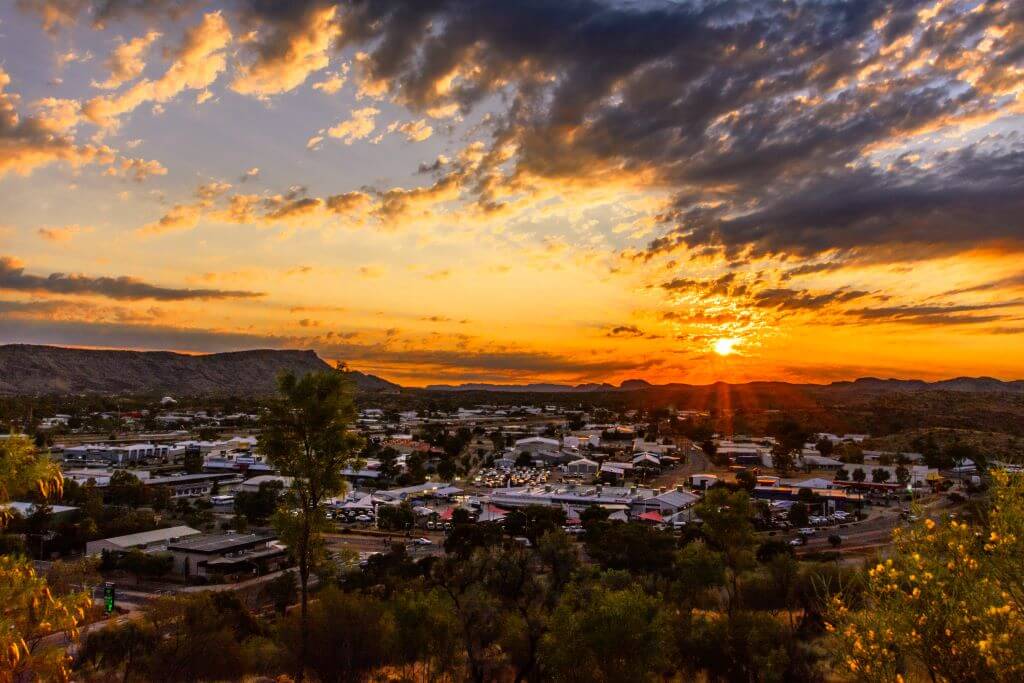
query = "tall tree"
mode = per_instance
[{"x": 306, "y": 436}]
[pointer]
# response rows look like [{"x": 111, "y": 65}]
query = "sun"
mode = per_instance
[{"x": 725, "y": 346}]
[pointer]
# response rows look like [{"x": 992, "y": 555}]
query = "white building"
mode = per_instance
[{"x": 146, "y": 540}]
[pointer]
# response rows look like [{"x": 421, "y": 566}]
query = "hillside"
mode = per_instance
[{"x": 45, "y": 370}]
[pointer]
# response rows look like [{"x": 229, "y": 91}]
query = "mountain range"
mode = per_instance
[
  {"x": 48, "y": 370},
  {"x": 862, "y": 385}
]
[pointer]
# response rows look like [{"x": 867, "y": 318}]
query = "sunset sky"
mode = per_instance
[{"x": 510, "y": 191}]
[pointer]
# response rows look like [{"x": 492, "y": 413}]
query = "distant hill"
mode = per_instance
[
  {"x": 541, "y": 388},
  {"x": 862, "y": 386},
  {"x": 47, "y": 370}
]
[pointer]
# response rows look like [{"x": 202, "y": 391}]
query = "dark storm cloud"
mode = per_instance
[
  {"x": 941, "y": 314},
  {"x": 973, "y": 196},
  {"x": 791, "y": 299},
  {"x": 13, "y": 277},
  {"x": 764, "y": 110}
]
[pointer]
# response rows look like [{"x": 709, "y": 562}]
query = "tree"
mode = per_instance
[
  {"x": 825, "y": 447},
  {"x": 30, "y": 611},
  {"x": 306, "y": 437},
  {"x": 193, "y": 461},
  {"x": 123, "y": 647},
  {"x": 747, "y": 479},
  {"x": 395, "y": 517},
  {"x": 798, "y": 515},
  {"x": 349, "y": 636},
  {"x": 789, "y": 439},
  {"x": 633, "y": 547},
  {"x": 879, "y": 475},
  {"x": 181, "y": 638},
  {"x": 948, "y": 601},
  {"x": 608, "y": 636},
  {"x": 859, "y": 475},
  {"x": 257, "y": 506},
  {"x": 728, "y": 530},
  {"x": 125, "y": 489},
  {"x": 902, "y": 475},
  {"x": 533, "y": 521},
  {"x": 709, "y": 448},
  {"x": 142, "y": 564}
]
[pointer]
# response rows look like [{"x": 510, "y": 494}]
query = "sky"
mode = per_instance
[{"x": 483, "y": 190}]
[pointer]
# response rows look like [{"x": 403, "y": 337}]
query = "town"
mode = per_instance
[{"x": 174, "y": 497}]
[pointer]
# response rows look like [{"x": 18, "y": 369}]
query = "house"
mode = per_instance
[
  {"x": 146, "y": 540},
  {"x": 227, "y": 554},
  {"x": 616, "y": 470},
  {"x": 669, "y": 501},
  {"x": 820, "y": 462},
  {"x": 582, "y": 467},
  {"x": 641, "y": 446},
  {"x": 647, "y": 461},
  {"x": 703, "y": 481}
]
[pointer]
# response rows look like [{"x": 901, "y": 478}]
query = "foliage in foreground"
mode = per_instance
[{"x": 949, "y": 602}]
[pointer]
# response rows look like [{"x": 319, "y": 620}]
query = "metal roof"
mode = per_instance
[
  {"x": 218, "y": 543},
  {"x": 154, "y": 536}
]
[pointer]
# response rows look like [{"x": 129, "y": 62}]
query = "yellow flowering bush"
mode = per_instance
[
  {"x": 948, "y": 602},
  {"x": 29, "y": 612}
]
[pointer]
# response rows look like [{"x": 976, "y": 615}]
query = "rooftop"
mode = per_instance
[
  {"x": 154, "y": 536},
  {"x": 219, "y": 543}
]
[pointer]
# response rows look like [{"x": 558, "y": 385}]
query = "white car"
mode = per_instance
[{"x": 422, "y": 541}]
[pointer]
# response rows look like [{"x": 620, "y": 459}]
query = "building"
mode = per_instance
[
  {"x": 227, "y": 554},
  {"x": 252, "y": 485},
  {"x": 535, "y": 445},
  {"x": 120, "y": 454},
  {"x": 816, "y": 483},
  {"x": 703, "y": 481},
  {"x": 616, "y": 470},
  {"x": 146, "y": 540},
  {"x": 632, "y": 501},
  {"x": 192, "y": 485},
  {"x": 831, "y": 499},
  {"x": 58, "y": 513},
  {"x": 820, "y": 462},
  {"x": 236, "y": 460},
  {"x": 583, "y": 467},
  {"x": 430, "y": 489},
  {"x": 641, "y": 446},
  {"x": 918, "y": 475}
]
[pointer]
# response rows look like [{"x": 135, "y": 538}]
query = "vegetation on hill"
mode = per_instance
[{"x": 45, "y": 370}]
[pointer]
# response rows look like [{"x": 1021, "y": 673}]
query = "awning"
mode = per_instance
[{"x": 652, "y": 517}]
